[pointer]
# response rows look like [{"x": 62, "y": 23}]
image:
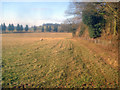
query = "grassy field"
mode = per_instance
[{"x": 57, "y": 61}]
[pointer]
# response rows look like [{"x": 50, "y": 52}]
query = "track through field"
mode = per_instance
[{"x": 54, "y": 62}]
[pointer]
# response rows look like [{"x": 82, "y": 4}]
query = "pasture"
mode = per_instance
[{"x": 56, "y": 61}]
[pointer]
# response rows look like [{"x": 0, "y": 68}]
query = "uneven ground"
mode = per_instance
[{"x": 57, "y": 61}]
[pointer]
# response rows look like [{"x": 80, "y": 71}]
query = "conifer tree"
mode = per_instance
[
  {"x": 18, "y": 27},
  {"x": 26, "y": 28}
]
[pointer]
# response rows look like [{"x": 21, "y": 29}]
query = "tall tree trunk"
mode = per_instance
[{"x": 115, "y": 32}]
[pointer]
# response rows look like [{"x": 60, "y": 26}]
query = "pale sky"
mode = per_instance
[{"x": 33, "y": 13}]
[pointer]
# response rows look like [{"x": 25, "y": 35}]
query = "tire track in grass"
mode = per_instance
[
  {"x": 74, "y": 65},
  {"x": 29, "y": 63},
  {"x": 46, "y": 66},
  {"x": 19, "y": 63},
  {"x": 51, "y": 63},
  {"x": 51, "y": 49},
  {"x": 105, "y": 69},
  {"x": 94, "y": 70},
  {"x": 30, "y": 52},
  {"x": 60, "y": 71},
  {"x": 51, "y": 41},
  {"x": 54, "y": 50},
  {"x": 61, "y": 45},
  {"x": 56, "y": 44},
  {"x": 65, "y": 57},
  {"x": 70, "y": 66},
  {"x": 39, "y": 47},
  {"x": 94, "y": 65},
  {"x": 74, "y": 61},
  {"x": 110, "y": 58},
  {"x": 88, "y": 71},
  {"x": 74, "y": 69},
  {"x": 30, "y": 73},
  {"x": 65, "y": 66}
]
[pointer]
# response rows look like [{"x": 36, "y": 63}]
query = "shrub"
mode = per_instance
[{"x": 95, "y": 22}]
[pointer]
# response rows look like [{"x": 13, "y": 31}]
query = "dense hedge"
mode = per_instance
[{"x": 95, "y": 22}]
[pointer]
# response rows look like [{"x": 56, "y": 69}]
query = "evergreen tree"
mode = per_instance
[
  {"x": 0, "y": 28},
  {"x": 21, "y": 28},
  {"x": 4, "y": 27},
  {"x": 9, "y": 27},
  {"x": 18, "y": 27},
  {"x": 26, "y": 28},
  {"x": 12, "y": 27}
]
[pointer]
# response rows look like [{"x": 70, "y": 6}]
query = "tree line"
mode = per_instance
[
  {"x": 11, "y": 27},
  {"x": 98, "y": 17},
  {"x": 49, "y": 27}
]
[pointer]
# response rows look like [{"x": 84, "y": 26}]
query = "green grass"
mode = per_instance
[{"x": 57, "y": 62}]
